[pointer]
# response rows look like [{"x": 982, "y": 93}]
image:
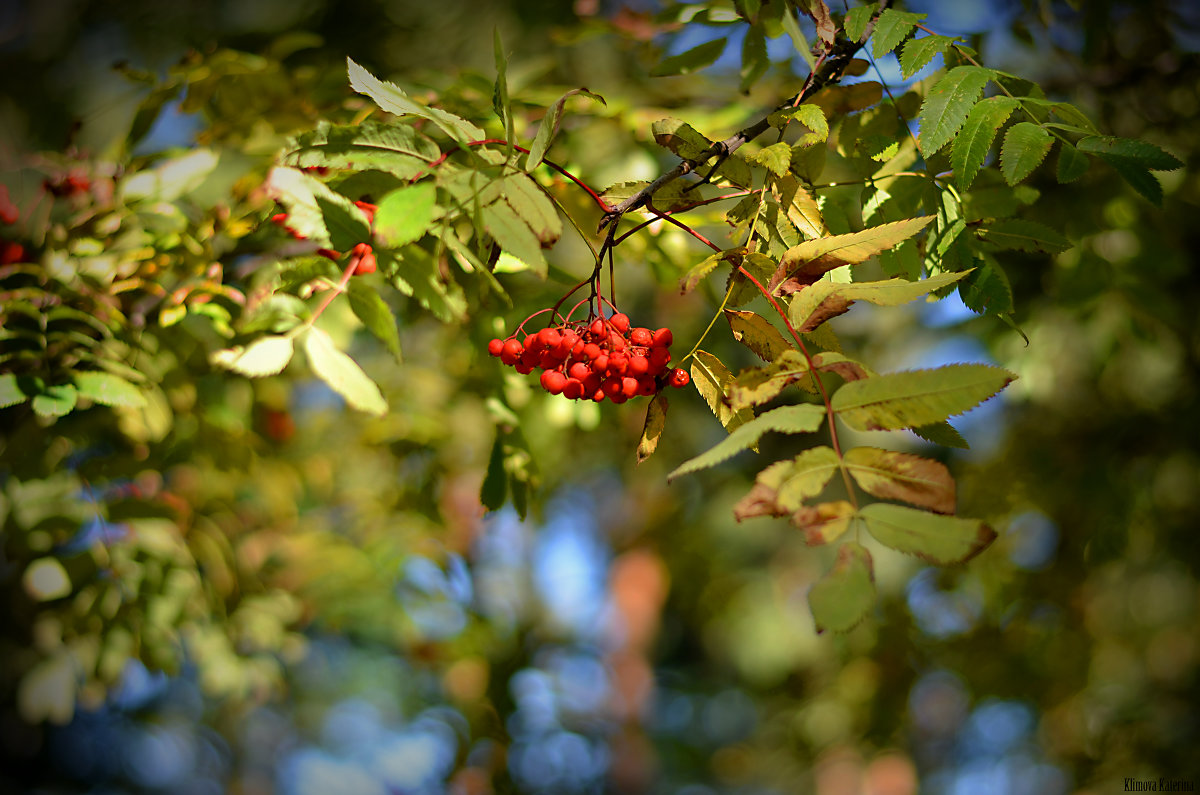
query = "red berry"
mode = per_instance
[
  {"x": 600, "y": 363},
  {"x": 597, "y": 327},
  {"x": 578, "y": 348},
  {"x": 368, "y": 210},
  {"x": 367, "y": 263},
  {"x": 549, "y": 338},
  {"x": 638, "y": 366},
  {"x": 598, "y": 396},
  {"x": 662, "y": 338},
  {"x": 591, "y": 383},
  {"x": 647, "y": 386},
  {"x": 495, "y": 347},
  {"x": 658, "y": 359},
  {"x": 279, "y": 219},
  {"x": 512, "y": 351},
  {"x": 579, "y": 370},
  {"x": 629, "y": 386},
  {"x": 620, "y": 322},
  {"x": 591, "y": 350},
  {"x": 642, "y": 337},
  {"x": 616, "y": 342},
  {"x": 11, "y": 252},
  {"x": 679, "y": 378},
  {"x": 553, "y": 382},
  {"x": 617, "y": 363},
  {"x": 611, "y": 386},
  {"x": 573, "y": 389}
]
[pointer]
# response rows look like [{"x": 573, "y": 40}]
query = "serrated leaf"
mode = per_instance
[
  {"x": 760, "y": 266},
  {"x": 822, "y": 300},
  {"x": 812, "y": 258},
  {"x": 342, "y": 374},
  {"x": 108, "y": 389},
  {"x": 1071, "y": 164},
  {"x": 10, "y": 391},
  {"x": 56, "y": 400},
  {"x": 780, "y": 489},
  {"x": 369, "y": 307},
  {"x": 691, "y": 60},
  {"x": 698, "y": 272},
  {"x": 326, "y": 218},
  {"x": 538, "y": 212},
  {"x": 843, "y": 597},
  {"x": 1142, "y": 152},
  {"x": 652, "y": 430},
  {"x": 757, "y": 385},
  {"x": 405, "y": 215},
  {"x": 917, "y": 53},
  {"x": 986, "y": 289},
  {"x": 942, "y": 433},
  {"x": 802, "y": 207},
  {"x": 902, "y": 476},
  {"x": 395, "y": 149},
  {"x": 824, "y": 522},
  {"x": 948, "y": 103},
  {"x": 756, "y": 333},
  {"x": 890, "y": 29},
  {"x": 1025, "y": 147},
  {"x": 942, "y": 540},
  {"x": 393, "y": 99},
  {"x": 801, "y": 418},
  {"x": 978, "y": 132},
  {"x": 811, "y": 116},
  {"x": 711, "y": 379},
  {"x": 1138, "y": 177},
  {"x": 857, "y": 20},
  {"x": 514, "y": 235},
  {"x": 548, "y": 128},
  {"x": 776, "y": 158},
  {"x": 917, "y": 397},
  {"x": 265, "y": 356},
  {"x": 1018, "y": 234}
]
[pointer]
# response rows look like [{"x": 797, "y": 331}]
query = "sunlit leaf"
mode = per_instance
[
  {"x": 55, "y": 400},
  {"x": 514, "y": 235},
  {"x": 824, "y": 522},
  {"x": 652, "y": 430},
  {"x": 948, "y": 103},
  {"x": 843, "y": 597},
  {"x": 910, "y": 478},
  {"x": 979, "y": 131},
  {"x": 891, "y": 28},
  {"x": 108, "y": 389},
  {"x": 375, "y": 314},
  {"x": 712, "y": 379},
  {"x": 801, "y": 418},
  {"x": 857, "y": 20},
  {"x": 756, "y": 333},
  {"x": 10, "y": 391},
  {"x": 265, "y": 356},
  {"x": 917, "y": 53},
  {"x": 1025, "y": 147},
  {"x": 813, "y": 258},
  {"x": 530, "y": 203},
  {"x": 548, "y": 128},
  {"x": 942, "y": 540},
  {"x": 822, "y": 300},
  {"x": 405, "y": 215},
  {"x": 393, "y": 99},
  {"x": 917, "y": 397},
  {"x": 342, "y": 374},
  {"x": 757, "y": 385},
  {"x": 781, "y": 489}
]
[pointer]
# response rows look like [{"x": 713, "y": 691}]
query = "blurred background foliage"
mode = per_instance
[{"x": 242, "y": 586}]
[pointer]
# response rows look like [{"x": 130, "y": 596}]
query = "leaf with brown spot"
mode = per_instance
[
  {"x": 901, "y": 476},
  {"x": 656, "y": 421},
  {"x": 824, "y": 522},
  {"x": 756, "y": 385}
]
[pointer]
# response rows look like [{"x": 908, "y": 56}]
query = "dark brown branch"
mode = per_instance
[{"x": 828, "y": 71}]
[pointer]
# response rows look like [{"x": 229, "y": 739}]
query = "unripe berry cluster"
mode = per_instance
[{"x": 593, "y": 360}]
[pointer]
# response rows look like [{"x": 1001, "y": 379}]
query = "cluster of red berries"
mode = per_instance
[
  {"x": 603, "y": 358},
  {"x": 362, "y": 256}
]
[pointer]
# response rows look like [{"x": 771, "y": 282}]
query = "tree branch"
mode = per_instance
[{"x": 829, "y": 70}]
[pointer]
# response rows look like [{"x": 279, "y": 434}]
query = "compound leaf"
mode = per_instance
[
  {"x": 801, "y": 418},
  {"x": 948, "y": 103},
  {"x": 979, "y": 131},
  {"x": 756, "y": 333},
  {"x": 917, "y": 397},
  {"x": 1025, "y": 147},
  {"x": 942, "y": 540},
  {"x": 902, "y": 476},
  {"x": 342, "y": 374}
]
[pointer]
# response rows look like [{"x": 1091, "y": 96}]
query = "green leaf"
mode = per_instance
[
  {"x": 986, "y": 288},
  {"x": 776, "y": 158},
  {"x": 514, "y": 236},
  {"x": 757, "y": 265},
  {"x": 342, "y": 374},
  {"x": 1025, "y": 147},
  {"x": 395, "y": 149},
  {"x": 1142, "y": 152},
  {"x": 973, "y": 142},
  {"x": 373, "y": 311},
  {"x": 822, "y": 300},
  {"x": 326, "y": 218},
  {"x": 1138, "y": 177},
  {"x": 757, "y": 385},
  {"x": 698, "y": 272},
  {"x": 782, "y": 488},
  {"x": 405, "y": 215},
  {"x": 815, "y": 257},
  {"x": 1071, "y": 164},
  {"x": 902, "y": 476},
  {"x": 10, "y": 391},
  {"x": 754, "y": 57},
  {"x": 108, "y": 389},
  {"x": 549, "y": 127},
  {"x": 756, "y": 333},
  {"x": 942, "y": 540},
  {"x": 265, "y": 356},
  {"x": 857, "y": 20},
  {"x": 393, "y": 99},
  {"x": 917, "y": 397},
  {"x": 652, "y": 430},
  {"x": 942, "y": 433},
  {"x": 948, "y": 103},
  {"x": 711, "y": 379},
  {"x": 890, "y": 29},
  {"x": 500, "y": 102},
  {"x": 55, "y": 401},
  {"x": 811, "y": 116},
  {"x": 495, "y": 482},
  {"x": 1017, "y": 234},
  {"x": 689, "y": 143},
  {"x": 843, "y": 597},
  {"x": 691, "y": 60},
  {"x": 530, "y": 202},
  {"x": 919, "y": 52}
]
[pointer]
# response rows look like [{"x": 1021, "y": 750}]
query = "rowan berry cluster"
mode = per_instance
[
  {"x": 596, "y": 359},
  {"x": 362, "y": 256}
]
